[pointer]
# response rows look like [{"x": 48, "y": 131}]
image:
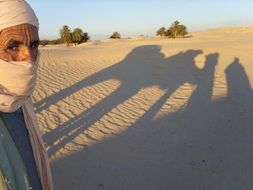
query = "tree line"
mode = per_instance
[
  {"x": 67, "y": 36},
  {"x": 78, "y": 36},
  {"x": 176, "y": 30}
]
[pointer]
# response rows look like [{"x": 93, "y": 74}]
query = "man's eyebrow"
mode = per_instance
[
  {"x": 35, "y": 41},
  {"x": 11, "y": 41}
]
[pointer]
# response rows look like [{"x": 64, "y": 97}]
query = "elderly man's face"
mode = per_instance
[{"x": 19, "y": 43}]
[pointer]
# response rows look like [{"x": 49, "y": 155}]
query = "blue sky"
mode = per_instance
[{"x": 135, "y": 17}]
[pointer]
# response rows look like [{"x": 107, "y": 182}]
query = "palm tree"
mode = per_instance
[
  {"x": 161, "y": 32},
  {"x": 65, "y": 34},
  {"x": 77, "y": 35}
]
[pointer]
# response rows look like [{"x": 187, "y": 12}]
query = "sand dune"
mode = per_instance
[{"x": 151, "y": 114}]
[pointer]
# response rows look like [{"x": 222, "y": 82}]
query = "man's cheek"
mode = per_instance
[{"x": 6, "y": 56}]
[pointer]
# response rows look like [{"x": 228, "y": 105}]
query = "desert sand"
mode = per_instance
[{"x": 150, "y": 114}]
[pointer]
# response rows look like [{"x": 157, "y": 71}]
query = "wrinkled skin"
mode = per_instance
[{"x": 19, "y": 43}]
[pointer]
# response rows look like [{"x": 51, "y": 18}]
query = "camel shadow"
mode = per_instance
[
  {"x": 144, "y": 67},
  {"x": 205, "y": 145}
]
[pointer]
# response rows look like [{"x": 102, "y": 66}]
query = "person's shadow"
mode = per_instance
[
  {"x": 144, "y": 67},
  {"x": 238, "y": 82}
]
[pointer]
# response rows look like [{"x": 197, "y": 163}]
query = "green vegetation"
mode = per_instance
[
  {"x": 78, "y": 36},
  {"x": 68, "y": 37},
  {"x": 161, "y": 32},
  {"x": 50, "y": 42},
  {"x": 115, "y": 35},
  {"x": 176, "y": 30}
]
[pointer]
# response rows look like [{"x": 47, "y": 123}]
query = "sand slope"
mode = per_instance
[{"x": 151, "y": 114}]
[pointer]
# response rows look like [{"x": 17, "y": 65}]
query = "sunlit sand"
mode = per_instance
[{"x": 149, "y": 114}]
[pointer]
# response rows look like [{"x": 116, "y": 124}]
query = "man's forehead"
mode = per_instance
[{"x": 23, "y": 33}]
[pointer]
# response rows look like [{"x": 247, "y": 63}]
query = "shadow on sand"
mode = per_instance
[
  {"x": 144, "y": 67},
  {"x": 205, "y": 145}
]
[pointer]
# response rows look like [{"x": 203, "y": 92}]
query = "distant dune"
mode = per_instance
[{"x": 150, "y": 114}]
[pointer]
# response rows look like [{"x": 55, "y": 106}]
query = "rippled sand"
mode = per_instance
[{"x": 150, "y": 114}]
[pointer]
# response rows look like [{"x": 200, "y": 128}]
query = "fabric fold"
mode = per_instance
[{"x": 38, "y": 146}]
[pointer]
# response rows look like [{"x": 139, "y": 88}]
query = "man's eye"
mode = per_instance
[
  {"x": 12, "y": 47},
  {"x": 34, "y": 44}
]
